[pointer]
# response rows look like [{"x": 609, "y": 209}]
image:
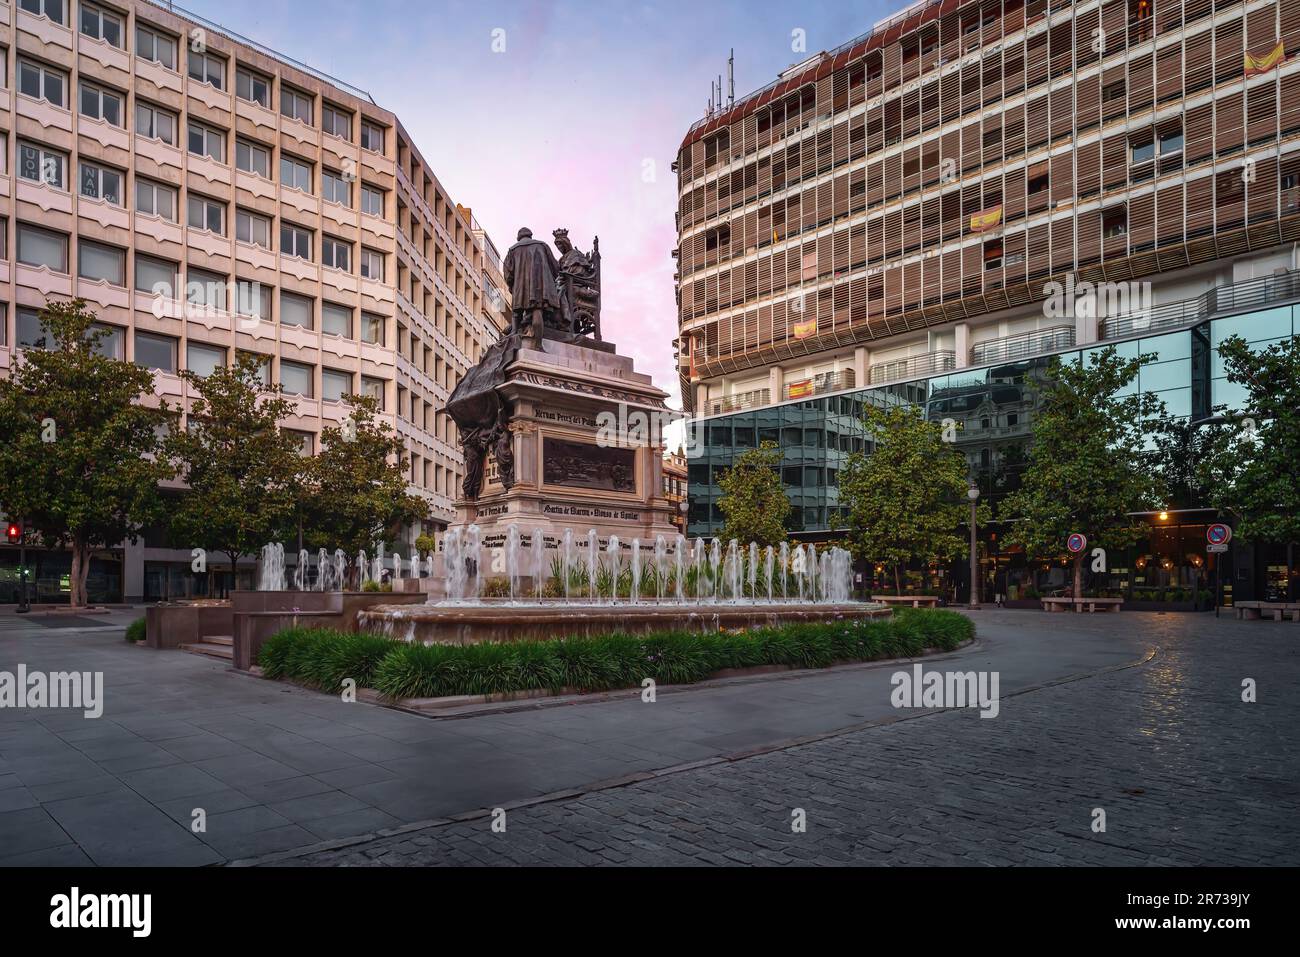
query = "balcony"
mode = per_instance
[
  {"x": 819, "y": 385},
  {"x": 743, "y": 400},
  {"x": 1022, "y": 346},
  {"x": 1244, "y": 296},
  {"x": 913, "y": 367}
]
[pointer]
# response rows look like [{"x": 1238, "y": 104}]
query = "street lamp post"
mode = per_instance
[{"x": 973, "y": 493}]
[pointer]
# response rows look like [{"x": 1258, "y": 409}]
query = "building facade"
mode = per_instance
[
  {"x": 909, "y": 216},
  {"x": 207, "y": 196}
]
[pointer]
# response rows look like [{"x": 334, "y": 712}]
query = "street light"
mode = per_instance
[{"x": 973, "y": 493}]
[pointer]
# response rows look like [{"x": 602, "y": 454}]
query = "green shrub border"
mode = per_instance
[
  {"x": 135, "y": 631},
  {"x": 323, "y": 658}
]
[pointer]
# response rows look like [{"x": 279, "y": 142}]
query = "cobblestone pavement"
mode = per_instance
[{"x": 1184, "y": 770}]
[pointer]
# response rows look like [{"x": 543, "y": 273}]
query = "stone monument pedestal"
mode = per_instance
[{"x": 586, "y": 431}]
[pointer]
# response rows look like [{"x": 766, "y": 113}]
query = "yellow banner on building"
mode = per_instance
[
  {"x": 986, "y": 219},
  {"x": 800, "y": 389},
  {"x": 802, "y": 330},
  {"x": 1255, "y": 65}
]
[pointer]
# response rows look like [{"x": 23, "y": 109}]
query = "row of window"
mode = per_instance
[
  {"x": 99, "y": 262},
  {"x": 155, "y": 122},
  {"x": 205, "y": 66}
]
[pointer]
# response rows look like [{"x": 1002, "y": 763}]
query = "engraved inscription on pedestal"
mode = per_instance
[{"x": 583, "y": 465}]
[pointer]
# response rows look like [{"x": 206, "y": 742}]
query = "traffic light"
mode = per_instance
[{"x": 14, "y": 532}]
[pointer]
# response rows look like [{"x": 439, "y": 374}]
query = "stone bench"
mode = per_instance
[
  {"x": 1276, "y": 610},
  {"x": 910, "y": 601},
  {"x": 1082, "y": 604}
]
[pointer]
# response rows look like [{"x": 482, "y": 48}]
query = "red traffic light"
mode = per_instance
[{"x": 15, "y": 533}]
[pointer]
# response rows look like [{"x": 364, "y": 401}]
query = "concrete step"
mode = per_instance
[
  {"x": 211, "y": 649},
  {"x": 219, "y": 640}
]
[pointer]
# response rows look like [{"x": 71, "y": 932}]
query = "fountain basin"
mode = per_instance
[{"x": 474, "y": 622}]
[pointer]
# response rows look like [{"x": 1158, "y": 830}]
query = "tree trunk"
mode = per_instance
[
  {"x": 77, "y": 579},
  {"x": 898, "y": 580},
  {"x": 1078, "y": 575}
]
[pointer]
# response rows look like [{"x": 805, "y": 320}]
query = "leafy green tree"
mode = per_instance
[
  {"x": 244, "y": 472},
  {"x": 78, "y": 452},
  {"x": 1256, "y": 479},
  {"x": 754, "y": 504},
  {"x": 1191, "y": 459},
  {"x": 357, "y": 488},
  {"x": 1088, "y": 466},
  {"x": 907, "y": 499}
]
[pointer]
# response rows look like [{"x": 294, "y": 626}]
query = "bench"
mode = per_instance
[
  {"x": 1082, "y": 604},
  {"x": 914, "y": 601},
  {"x": 1276, "y": 610}
]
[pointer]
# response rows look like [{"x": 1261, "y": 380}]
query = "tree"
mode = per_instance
[
  {"x": 78, "y": 453},
  {"x": 754, "y": 504},
  {"x": 357, "y": 485},
  {"x": 907, "y": 499},
  {"x": 244, "y": 472},
  {"x": 1257, "y": 480},
  {"x": 1087, "y": 465}
]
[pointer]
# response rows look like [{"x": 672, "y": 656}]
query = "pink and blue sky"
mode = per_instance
[{"x": 574, "y": 124}]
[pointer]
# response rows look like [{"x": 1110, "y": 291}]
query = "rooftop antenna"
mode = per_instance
[{"x": 731, "y": 79}]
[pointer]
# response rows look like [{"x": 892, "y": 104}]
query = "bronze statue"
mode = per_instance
[
  {"x": 562, "y": 296},
  {"x": 532, "y": 274},
  {"x": 579, "y": 285}
]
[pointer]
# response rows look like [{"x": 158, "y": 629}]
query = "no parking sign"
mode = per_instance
[{"x": 1076, "y": 543}]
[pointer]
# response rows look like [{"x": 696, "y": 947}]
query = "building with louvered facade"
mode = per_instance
[{"x": 894, "y": 220}]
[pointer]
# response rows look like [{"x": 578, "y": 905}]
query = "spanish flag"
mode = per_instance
[
  {"x": 986, "y": 219},
  {"x": 1255, "y": 65},
  {"x": 802, "y": 330},
  {"x": 800, "y": 389}
]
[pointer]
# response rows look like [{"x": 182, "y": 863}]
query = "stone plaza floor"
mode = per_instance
[{"x": 1138, "y": 715}]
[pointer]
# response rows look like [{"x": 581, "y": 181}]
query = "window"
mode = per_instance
[
  {"x": 295, "y": 379},
  {"x": 295, "y": 241},
  {"x": 207, "y": 214},
  {"x": 40, "y": 247},
  {"x": 155, "y": 352},
  {"x": 307, "y": 441},
  {"x": 207, "y": 290},
  {"x": 206, "y": 141},
  {"x": 208, "y": 68},
  {"x": 41, "y": 82},
  {"x": 372, "y": 137},
  {"x": 253, "y": 158},
  {"x": 204, "y": 360},
  {"x": 372, "y": 328},
  {"x": 155, "y": 199},
  {"x": 373, "y": 388},
  {"x": 295, "y": 173},
  {"x": 101, "y": 104},
  {"x": 295, "y": 310},
  {"x": 154, "y": 45},
  {"x": 334, "y": 385},
  {"x": 1171, "y": 141},
  {"x": 32, "y": 333},
  {"x": 248, "y": 298},
  {"x": 1114, "y": 222},
  {"x": 100, "y": 182},
  {"x": 336, "y": 253},
  {"x": 156, "y": 276},
  {"x": 43, "y": 8},
  {"x": 155, "y": 123},
  {"x": 372, "y": 264},
  {"x": 41, "y": 165},
  {"x": 1114, "y": 91},
  {"x": 102, "y": 25},
  {"x": 252, "y": 228},
  {"x": 336, "y": 122},
  {"x": 263, "y": 365},
  {"x": 336, "y": 320},
  {"x": 253, "y": 87},
  {"x": 295, "y": 104},
  {"x": 110, "y": 340},
  {"x": 1143, "y": 149},
  {"x": 97, "y": 262},
  {"x": 335, "y": 189},
  {"x": 372, "y": 200}
]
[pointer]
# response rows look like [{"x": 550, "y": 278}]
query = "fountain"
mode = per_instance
[{"x": 272, "y": 574}]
